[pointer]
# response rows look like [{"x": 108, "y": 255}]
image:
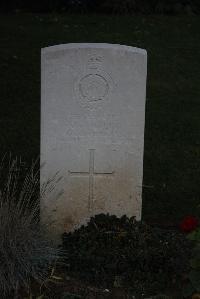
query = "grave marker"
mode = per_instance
[{"x": 92, "y": 131}]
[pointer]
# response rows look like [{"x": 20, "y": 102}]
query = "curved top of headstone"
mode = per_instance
[{"x": 93, "y": 46}]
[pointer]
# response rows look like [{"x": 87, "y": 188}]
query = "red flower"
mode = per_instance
[{"x": 188, "y": 224}]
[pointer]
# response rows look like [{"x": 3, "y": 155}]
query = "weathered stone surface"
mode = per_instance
[{"x": 92, "y": 131}]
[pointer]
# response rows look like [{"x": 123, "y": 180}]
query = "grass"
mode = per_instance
[
  {"x": 172, "y": 143},
  {"x": 26, "y": 253}
]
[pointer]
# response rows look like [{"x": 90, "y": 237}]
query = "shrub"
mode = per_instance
[
  {"x": 120, "y": 251},
  {"x": 25, "y": 251}
]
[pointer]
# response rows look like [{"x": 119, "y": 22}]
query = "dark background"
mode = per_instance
[{"x": 104, "y": 6}]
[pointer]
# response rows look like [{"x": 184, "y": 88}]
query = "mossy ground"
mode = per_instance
[{"x": 172, "y": 144}]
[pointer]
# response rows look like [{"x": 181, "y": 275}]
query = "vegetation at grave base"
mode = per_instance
[
  {"x": 171, "y": 151},
  {"x": 105, "y": 6},
  {"x": 121, "y": 252},
  {"x": 25, "y": 251}
]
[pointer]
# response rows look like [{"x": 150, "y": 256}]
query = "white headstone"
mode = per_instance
[{"x": 92, "y": 131}]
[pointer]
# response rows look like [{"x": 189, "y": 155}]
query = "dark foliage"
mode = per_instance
[
  {"x": 104, "y": 6},
  {"x": 113, "y": 251}
]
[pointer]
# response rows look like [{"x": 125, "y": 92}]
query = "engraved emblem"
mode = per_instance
[
  {"x": 94, "y": 62},
  {"x": 94, "y": 86}
]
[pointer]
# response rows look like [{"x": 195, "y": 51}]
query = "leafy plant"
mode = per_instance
[
  {"x": 25, "y": 251},
  {"x": 140, "y": 257}
]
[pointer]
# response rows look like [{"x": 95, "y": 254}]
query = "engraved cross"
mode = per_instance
[{"x": 91, "y": 174}]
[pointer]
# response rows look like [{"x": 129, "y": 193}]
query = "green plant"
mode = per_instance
[
  {"x": 25, "y": 251},
  {"x": 109, "y": 249}
]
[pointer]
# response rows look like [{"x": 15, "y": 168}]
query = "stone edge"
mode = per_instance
[{"x": 93, "y": 46}]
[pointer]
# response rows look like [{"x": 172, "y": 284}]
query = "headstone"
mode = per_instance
[{"x": 92, "y": 131}]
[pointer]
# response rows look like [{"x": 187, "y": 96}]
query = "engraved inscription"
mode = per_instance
[
  {"x": 91, "y": 174},
  {"x": 89, "y": 125},
  {"x": 93, "y": 87}
]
